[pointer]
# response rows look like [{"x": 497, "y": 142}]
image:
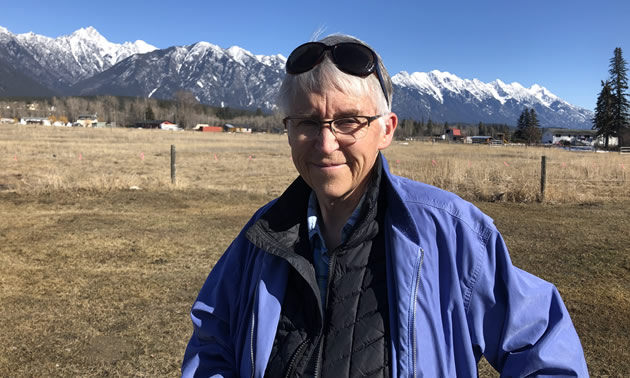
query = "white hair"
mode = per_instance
[{"x": 326, "y": 76}]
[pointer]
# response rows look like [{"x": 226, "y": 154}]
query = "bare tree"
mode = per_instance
[{"x": 185, "y": 102}]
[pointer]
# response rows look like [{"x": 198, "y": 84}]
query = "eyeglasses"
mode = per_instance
[
  {"x": 345, "y": 129},
  {"x": 350, "y": 57}
]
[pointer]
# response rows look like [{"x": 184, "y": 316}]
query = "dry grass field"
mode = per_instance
[{"x": 96, "y": 279}]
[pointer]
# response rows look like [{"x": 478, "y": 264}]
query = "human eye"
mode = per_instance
[
  {"x": 348, "y": 124},
  {"x": 307, "y": 123}
]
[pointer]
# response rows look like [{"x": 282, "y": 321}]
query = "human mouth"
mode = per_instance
[{"x": 328, "y": 165}]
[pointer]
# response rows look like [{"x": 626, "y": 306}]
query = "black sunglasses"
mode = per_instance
[{"x": 350, "y": 57}]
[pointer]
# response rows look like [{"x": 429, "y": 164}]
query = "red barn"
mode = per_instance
[
  {"x": 211, "y": 129},
  {"x": 453, "y": 134}
]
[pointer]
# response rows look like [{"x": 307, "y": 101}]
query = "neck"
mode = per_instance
[{"x": 336, "y": 212}]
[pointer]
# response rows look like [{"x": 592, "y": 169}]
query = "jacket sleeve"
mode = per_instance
[
  {"x": 518, "y": 321},
  {"x": 211, "y": 350},
  {"x": 220, "y": 313}
]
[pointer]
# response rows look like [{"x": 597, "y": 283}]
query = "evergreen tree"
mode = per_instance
[
  {"x": 534, "y": 134},
  {"x": 528, "y": 127},
  {"x": 430, "y": 127},
  {"x": 619, "y": 86},
  {"x": 533, "y": 119},
  {"x": 521, "y": 125},
  {"x": 148, "y": 114},
  {"x": 604, "y": 113}
]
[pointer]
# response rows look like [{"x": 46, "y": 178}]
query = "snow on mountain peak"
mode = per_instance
[
  {"x": 4, "y": 30},
  {"x": 277, "y": 61},
  {"x": 238, "y": 54},
  {"x": 140, "y": 46},
  {"x": 79, "y": 55},
  {"x": 543, "y": 94},
  {"x": 438, "y": 84},
  {"x": 420, "y": 81},
  {"x": 88, "y": 33}
]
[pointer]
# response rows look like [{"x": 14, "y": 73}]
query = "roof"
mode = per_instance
[
  {"x": 569, "y": 131},
  {"x": 151, "y": 122},
  {"x": 456, "y": 132}
]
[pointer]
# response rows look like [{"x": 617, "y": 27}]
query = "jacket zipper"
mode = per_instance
[
  {"x": 320, "y": 348},
  {"x": 413, "y": 319},
  {"x": 251, "y": 336}
]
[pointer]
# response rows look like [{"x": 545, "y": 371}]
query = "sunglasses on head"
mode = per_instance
[{"x": 350, "y": 57}]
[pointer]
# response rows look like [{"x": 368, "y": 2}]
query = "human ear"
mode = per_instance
[{"x": 391, "y": 122}]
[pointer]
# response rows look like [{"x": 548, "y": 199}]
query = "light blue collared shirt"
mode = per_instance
[{"x": 321, "y": 260}]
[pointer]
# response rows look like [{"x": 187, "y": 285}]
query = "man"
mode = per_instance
[{"x": 356, "y": 272}]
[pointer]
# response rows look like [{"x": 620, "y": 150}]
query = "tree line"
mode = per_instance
[
  {"x": 187, "y": 112},
  {"x": 410, "y": 128},
  {"x": 184, "y": 110},
  {"x": 612, "y": 112}
]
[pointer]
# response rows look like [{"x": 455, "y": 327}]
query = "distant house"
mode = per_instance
[
  {"x": 236, "y": 128},
  {"x": 569, "y": 136},
  {"x": 453, "y": 135},
  {"x": 86, "y": 120},
  {"x": 479, "y": 139},
  {"x": 35, "y": 121},
  {"x": 166, "y": 125},
  {"x": 601, "y": 141},
  {"x": 204, "y": 127},
  {"x": 157, "y": 124},
  {"x": 149, "y": 124},
  {"x": 212, "y": 129}
]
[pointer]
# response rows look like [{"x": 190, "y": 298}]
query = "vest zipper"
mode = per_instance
[
  {"x": 298, "y": 352},
  {"x": 413, "y": 320},
  {"x": 321, "y": 338}
]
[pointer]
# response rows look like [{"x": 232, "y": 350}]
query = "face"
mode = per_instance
[{"x": 338, "y": 171}]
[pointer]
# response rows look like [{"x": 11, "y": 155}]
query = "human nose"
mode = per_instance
[{"x": 327, "y": 141}]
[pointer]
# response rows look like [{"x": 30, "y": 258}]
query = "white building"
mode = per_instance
[
  {"x": 576, "y": 137},
  {"x": 570, "y": 136},
  {"x": 86, "y": 120},
  {"x": 35, "y": 121}
]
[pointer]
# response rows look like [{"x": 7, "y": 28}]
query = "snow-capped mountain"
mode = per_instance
[
  {"x": 232, "y": 77},
  {"x": 57, "y": 63},
  {"x": 85, "y": 63},
  {"x": 443, "y": 96}
]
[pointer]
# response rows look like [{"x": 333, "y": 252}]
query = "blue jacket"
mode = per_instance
[{"x": 454, "y": 296}]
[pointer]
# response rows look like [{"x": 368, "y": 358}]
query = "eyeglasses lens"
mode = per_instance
[{"x": 344, "y": 129}]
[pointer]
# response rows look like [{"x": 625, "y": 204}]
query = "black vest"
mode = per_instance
[{"x": 354, "y": 340}]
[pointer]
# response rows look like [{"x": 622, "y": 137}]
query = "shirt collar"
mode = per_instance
[{"x": 312, "y": 220}]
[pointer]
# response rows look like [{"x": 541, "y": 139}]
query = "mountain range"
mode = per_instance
[{"x": 86, "y": 63}]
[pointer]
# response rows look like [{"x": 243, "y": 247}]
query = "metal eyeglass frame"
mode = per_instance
[{"x": 333, "y": 130}]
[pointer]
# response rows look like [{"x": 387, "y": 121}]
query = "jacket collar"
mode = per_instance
[
  {"x": 286, "y": 217},
  {"x": 400, "y": 216}
]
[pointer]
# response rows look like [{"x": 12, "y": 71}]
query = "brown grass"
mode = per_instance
[
  {"x": 97, "y": 279},
  {"x": 41, "y": 159}
]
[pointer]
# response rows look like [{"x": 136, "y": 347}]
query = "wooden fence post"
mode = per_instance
[
  {"x": 543, "y": 177},
  {"x": 173, "y": 165}
]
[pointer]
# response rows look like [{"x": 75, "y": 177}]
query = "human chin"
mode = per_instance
[{"x": 330, "y": 181}]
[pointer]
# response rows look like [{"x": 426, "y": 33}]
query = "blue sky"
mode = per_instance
[{"x": 562, "y": 45}]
